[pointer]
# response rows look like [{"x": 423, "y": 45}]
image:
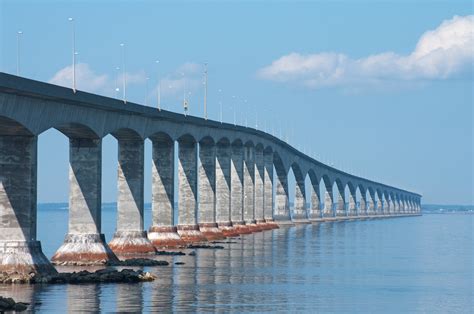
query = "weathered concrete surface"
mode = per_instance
[
  {"x": 207, "y": 191},
  {"x": 282, "y": 210},
  {"x": 328, "y": 203},
  {"x": 249, "y": 188},
  {"x": 19, "y": 250},
  {"x": 163, "y": 233},
  {"x": 259, "y": 189},
  {"x": 188, "y": 228},
  {"x": 315, "y": 211},
  {"x": 130, "y": 236},
  {"x": 363, "y": 204},
  {"x": 84, "y": 244},
  {"x": 300, "y": 214},
  {"x": 223, "y": 182},
  {"x": 236, "y": 188},
  {"x": 352, "y": 210},
  {"x": 341, "y": 202},
  {"x": 268, "y": 189}
]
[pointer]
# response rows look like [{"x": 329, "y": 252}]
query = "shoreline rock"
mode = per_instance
[
  {"x": 204, "y": 246},
  {"x": 8, "y": 304},
  {"x": 138, "y": 262}
]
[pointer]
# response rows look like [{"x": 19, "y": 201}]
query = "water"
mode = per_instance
[{"x": 415, "y": 264}]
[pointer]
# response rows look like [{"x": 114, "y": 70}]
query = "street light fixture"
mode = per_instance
[
  {"x": 73, "y": 54},
  {"x": 159, "y": 85},
  {"x": 18, "y": 35},
  {"x": 124, "y": 82}
]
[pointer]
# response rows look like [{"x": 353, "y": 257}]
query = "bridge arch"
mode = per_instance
[{"x": 12, "y": 127}]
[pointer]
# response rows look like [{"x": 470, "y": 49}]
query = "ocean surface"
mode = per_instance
[{"x": 401, "y": 265}]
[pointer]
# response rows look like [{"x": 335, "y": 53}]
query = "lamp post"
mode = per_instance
[
  {"x": 124, "y": 82},
  {"x": 220, "y": 104},
  {"x": 159, "y": 84},
  {"x": 185, "y": 103},
  {"x": 146, "y": 90},
  {"x": 18, "y": 35},
  {"x": 117, "y": 89},
  {"x": 205, "y": 91},
  {"x": 73, "y": 54}
]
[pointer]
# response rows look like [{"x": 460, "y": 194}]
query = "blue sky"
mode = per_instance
[{"x": 360, "y": 84}]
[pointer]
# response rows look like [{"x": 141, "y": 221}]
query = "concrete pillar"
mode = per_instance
[
  {"x": 236, "y": 188},
  {"x": 341, "y": 202},
  {"x": 84, "y": 244},
  {"x": 223, "y": 189},
  {"x": 259, "y": 188},
  {"x": 188, "y": 228},
  {"x": 315, "y": 212},
  {"x": 352, "y": 203},
  {"x": 20, "y": 252},
  {"x": 371, "y": 204},
  {"x": 379, "y": 208},
  {"x": 249, "y": 188},
  {"x": 268, "y": 196},
  {"x": 387, "y": 209},
  {"x": 363, "y": 203},
  {"x": 163, "y": 232},
  {"x": 130, "y": 236},
  {"x": 328, "y": 203},
  {"x": 282, "y": 210},
  {"x": 207, "y": 191},
  {"x": 300, "y": 214}
]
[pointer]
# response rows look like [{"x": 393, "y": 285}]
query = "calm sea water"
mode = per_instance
[{"x": 416, "y": 264}]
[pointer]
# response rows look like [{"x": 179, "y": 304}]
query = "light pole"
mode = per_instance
[
  {"x": 205, "y": 91},
  {"x": 18, "y": 35},
  {"x": 73, "y": 54},
  {"x": 124, "y": 82},
  {"x": 220, "y": 104},
  {"x": 159, "y": 84},
  {"x": 146, "y": 90},
  {"x": 117, "y": 89},
  {"x": 185, "y": 103},
  {"x": 234, "y": 104}
]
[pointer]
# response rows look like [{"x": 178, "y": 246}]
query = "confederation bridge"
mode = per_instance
[{"x": 231, "y": 180}]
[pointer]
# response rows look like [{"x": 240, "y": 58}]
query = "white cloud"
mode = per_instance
[
  {"x": 86, "y": 79},
  {"x": 445, "y": 52}
]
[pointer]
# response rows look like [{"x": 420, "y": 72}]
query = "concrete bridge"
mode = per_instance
[{"x": 231, "y": 180}]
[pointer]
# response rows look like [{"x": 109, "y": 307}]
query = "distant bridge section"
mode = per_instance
[{"x": 237, "y": 171}]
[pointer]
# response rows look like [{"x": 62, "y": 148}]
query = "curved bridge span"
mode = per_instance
[{"x": 231, "y": 180}]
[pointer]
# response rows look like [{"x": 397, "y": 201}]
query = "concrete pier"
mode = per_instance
[
  {"x": 236, "y": 188},
  {"x": 282, "y": 210},
  {"x": 249, "y": 188},
  {"x": 363, "y": 203},
  {"x": 20, "y": 252},
  {"x": 84, "y": 244},
  {"x": 352, "y": 211},
  {"x": 315, "y": 211},
  {"x": 188, "y": 228},
  {"x": 223, "y": 165},
  {"x": 207, "y": 191},
  {"x": 163, "y": 232},
  {"x": 130, "y": 236},
  {"x": 268, "y": 189},
  {"x": 300, "y": 214},
  {"x": 341, "y": 202},
  {"x": 259, "y": 188},
  {"x": 328, "y": 204}
]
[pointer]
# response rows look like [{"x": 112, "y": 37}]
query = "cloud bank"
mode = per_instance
[{"x": 442, "y": 53}]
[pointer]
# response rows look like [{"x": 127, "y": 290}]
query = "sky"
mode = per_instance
[{"x": 381, "y": 89}]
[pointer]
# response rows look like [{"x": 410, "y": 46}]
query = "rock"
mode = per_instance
[
  {"x": 193, "y": 253},
  {"x": 203, "y": 246},
  {"x": 139, "y": 262},
  {"x": 179, "y": 263},
  {"x": 8, "y": 304},
  {"x": 169, "y": 253},
  {"x": 146, "y": 276}
]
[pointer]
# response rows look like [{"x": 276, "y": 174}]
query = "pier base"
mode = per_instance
[
  {"x": 165, "y": 237},
  {"x": 241, "y": 227},
  {"x": 227, "y": 229},
  {"x": 84, "y": 249},
  {"x": 131, "y": 243},
  {"x": 190, "y": 233},
  {"x": 24, "y": 258},
  {"x": 211, "y": 231}
]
